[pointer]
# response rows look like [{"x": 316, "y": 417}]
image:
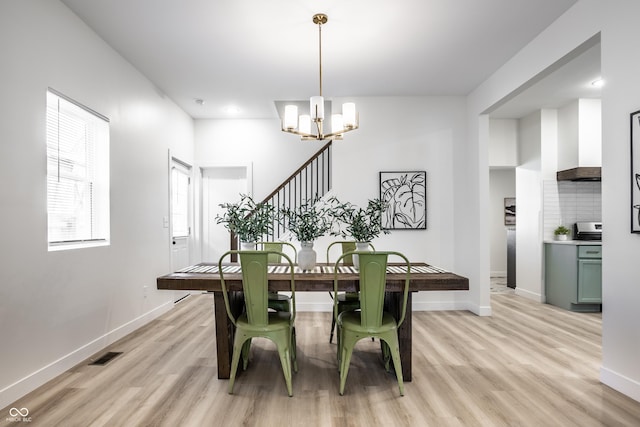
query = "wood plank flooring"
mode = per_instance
[{"x": 529, "y": 364}]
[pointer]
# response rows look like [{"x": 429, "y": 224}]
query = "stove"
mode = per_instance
[{"x": 587, "y": 230}]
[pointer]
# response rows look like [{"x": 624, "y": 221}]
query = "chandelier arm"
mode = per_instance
[
  {"x": 320, "y": 52},
  {"x": 297, "y": 132},
  {"x": 339, "y": 132}
]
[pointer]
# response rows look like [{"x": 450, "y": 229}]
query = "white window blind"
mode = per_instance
[
  {"x": 77, "y": 173},
  {"x": 180, "y": 202}
]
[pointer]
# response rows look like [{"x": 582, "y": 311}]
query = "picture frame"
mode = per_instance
[
  {"x": 635, "y": 170},
  {"x": 510, "y": 211},
  {"x": 405, "y": 194}
]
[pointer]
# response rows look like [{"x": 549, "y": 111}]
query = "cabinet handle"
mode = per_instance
[{"x": 593, "y": 252}]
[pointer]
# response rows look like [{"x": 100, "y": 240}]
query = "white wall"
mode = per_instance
[
  {"x": 568, "y": 151},
  {"x": 529, "y": 199},
  {"x": 503, "y": 158},
  {"x": 502, "y": 184},
  {"x": 580, "y": 134},
  {"x": 503, "y": 143},
  {"x": 274, "y": 155},
  {"x": 621, "y": 292},
  {"x": 57, "y": 308},
  {"x": 426, "y": 130},
  {"x": 617, "y": 22}
]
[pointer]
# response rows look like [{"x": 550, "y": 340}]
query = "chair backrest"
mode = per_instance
[
  {"x": 255, "y": 284},
  {"x": 274, "y": 247},
  {"x": 347, "y": 246},
  {"x": 373, "y": 280}
]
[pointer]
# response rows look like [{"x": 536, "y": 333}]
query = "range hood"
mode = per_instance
[
  {"x": 585, "y": 173},
  {"x": 580, "y": 141}
]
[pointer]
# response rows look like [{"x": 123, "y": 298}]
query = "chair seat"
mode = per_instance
[
  {"x": 277, "y": 320},
  {"x": 274, "y": 296},
  {"x": 349, "y": 297},
  {"x": 279, "y": 302},
  {"x": 350, "y": 320}
]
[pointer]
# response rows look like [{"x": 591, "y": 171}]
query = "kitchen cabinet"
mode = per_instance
[{"x": 573, "y": 276}]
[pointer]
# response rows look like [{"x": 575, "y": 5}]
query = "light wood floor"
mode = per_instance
[{"x": 527, "y": 365}]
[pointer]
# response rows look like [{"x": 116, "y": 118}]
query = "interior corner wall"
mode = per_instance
[
  {"x": 59, "y": 308},
  {"x": 617, "y": 24}
]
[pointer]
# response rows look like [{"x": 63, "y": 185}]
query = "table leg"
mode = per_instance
[
  {"x": 394, "y": 306},
  {"x": 225, "y": 331},
  {"x": 404, "y": 335},
  {"x": 224, "y": 336}
]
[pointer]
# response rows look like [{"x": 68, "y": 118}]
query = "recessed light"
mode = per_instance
[
  {"x": 232, "y": 109},
  {"x": 199, "y": 101},
  {"x": 597, "y": 83}
]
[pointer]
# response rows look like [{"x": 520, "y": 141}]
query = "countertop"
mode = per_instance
[{"x": 575, "y": 242}]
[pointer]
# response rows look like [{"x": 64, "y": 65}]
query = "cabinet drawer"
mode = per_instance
[{"x": 589, "y": 251}]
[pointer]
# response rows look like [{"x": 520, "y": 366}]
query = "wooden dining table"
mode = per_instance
[{"x": 206, "y": 277}]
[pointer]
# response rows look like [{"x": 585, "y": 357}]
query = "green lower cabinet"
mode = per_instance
[
  {"x": 590, "y": 281},
  {"x": 573, "y": 276}
]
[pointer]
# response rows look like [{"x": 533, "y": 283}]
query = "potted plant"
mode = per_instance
[
  {"x": 307, "y": 222},
  {"x": 247, "y": 219},
  {"x": 561, "y": 232},
  {"x": 362, "y": 225}
]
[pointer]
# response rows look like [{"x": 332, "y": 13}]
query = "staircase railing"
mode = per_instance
[{"x": 312, "y": 179}]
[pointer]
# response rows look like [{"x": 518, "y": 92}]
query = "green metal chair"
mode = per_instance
[
  {"x": 278, "y": 301},
  {"x": 257, "y": 320},
  {"x": 346, "y": 300},
  {"x": 371, "y": 320}
]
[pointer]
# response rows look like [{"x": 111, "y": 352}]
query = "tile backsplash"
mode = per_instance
[{"x": 567, "y": 202}]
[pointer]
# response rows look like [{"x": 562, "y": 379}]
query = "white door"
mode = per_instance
[
  {"x": 220, "y": 185},
  {"x": 181, "y": 215}
]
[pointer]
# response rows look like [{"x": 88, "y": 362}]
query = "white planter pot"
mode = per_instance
[
  {"x": 360, "y": 246},
  {"x": 248, "y": 246},
  {"x": 562, "y": 237},
  {"x": 306, "y": 256}
]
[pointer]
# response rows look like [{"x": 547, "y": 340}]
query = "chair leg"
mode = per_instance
[
  {"x": 246, "y": 347},
  {"x": 238, "y": 346},
  {"x": 386, "y": 355},
  {"x": 395, "y": 355},
  {"x": 294, "y": 352},
  {"x": 333, "y": 327},
  {"x": 345, "y": 359},
  {"x": 285, "y": 360}
]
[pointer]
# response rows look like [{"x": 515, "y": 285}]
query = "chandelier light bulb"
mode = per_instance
[
  {"x": 290, "y": 117},
  {"x": 349, "y": 116}
]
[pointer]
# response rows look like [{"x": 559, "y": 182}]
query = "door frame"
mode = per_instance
[
  {"x": 185, "y": 166},
  {"x": 203, "y": 220}
]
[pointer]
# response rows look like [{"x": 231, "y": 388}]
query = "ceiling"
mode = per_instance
[{"x": 239, "y": 56}]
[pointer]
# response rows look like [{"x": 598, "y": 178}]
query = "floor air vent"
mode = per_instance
[{"x": 106, "y": 358}]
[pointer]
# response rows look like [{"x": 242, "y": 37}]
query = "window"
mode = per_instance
[
  {"x": 180, "y": 202},
  {"x": 77, "y": 174}
]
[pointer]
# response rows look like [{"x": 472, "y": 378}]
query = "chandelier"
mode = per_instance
[{"x": 302, "y": 125}]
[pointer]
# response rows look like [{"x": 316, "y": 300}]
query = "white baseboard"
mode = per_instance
[
  {"x": 34, "y": 380},
  {"x": 619, "y": 382},
  {"x": 530, "y": 295}
]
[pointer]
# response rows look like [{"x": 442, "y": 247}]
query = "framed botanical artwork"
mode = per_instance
[
  {"x": 510, "y": 211},
  {"x": 405, "y": 194},
  {"x": 635, "y": 172}
]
